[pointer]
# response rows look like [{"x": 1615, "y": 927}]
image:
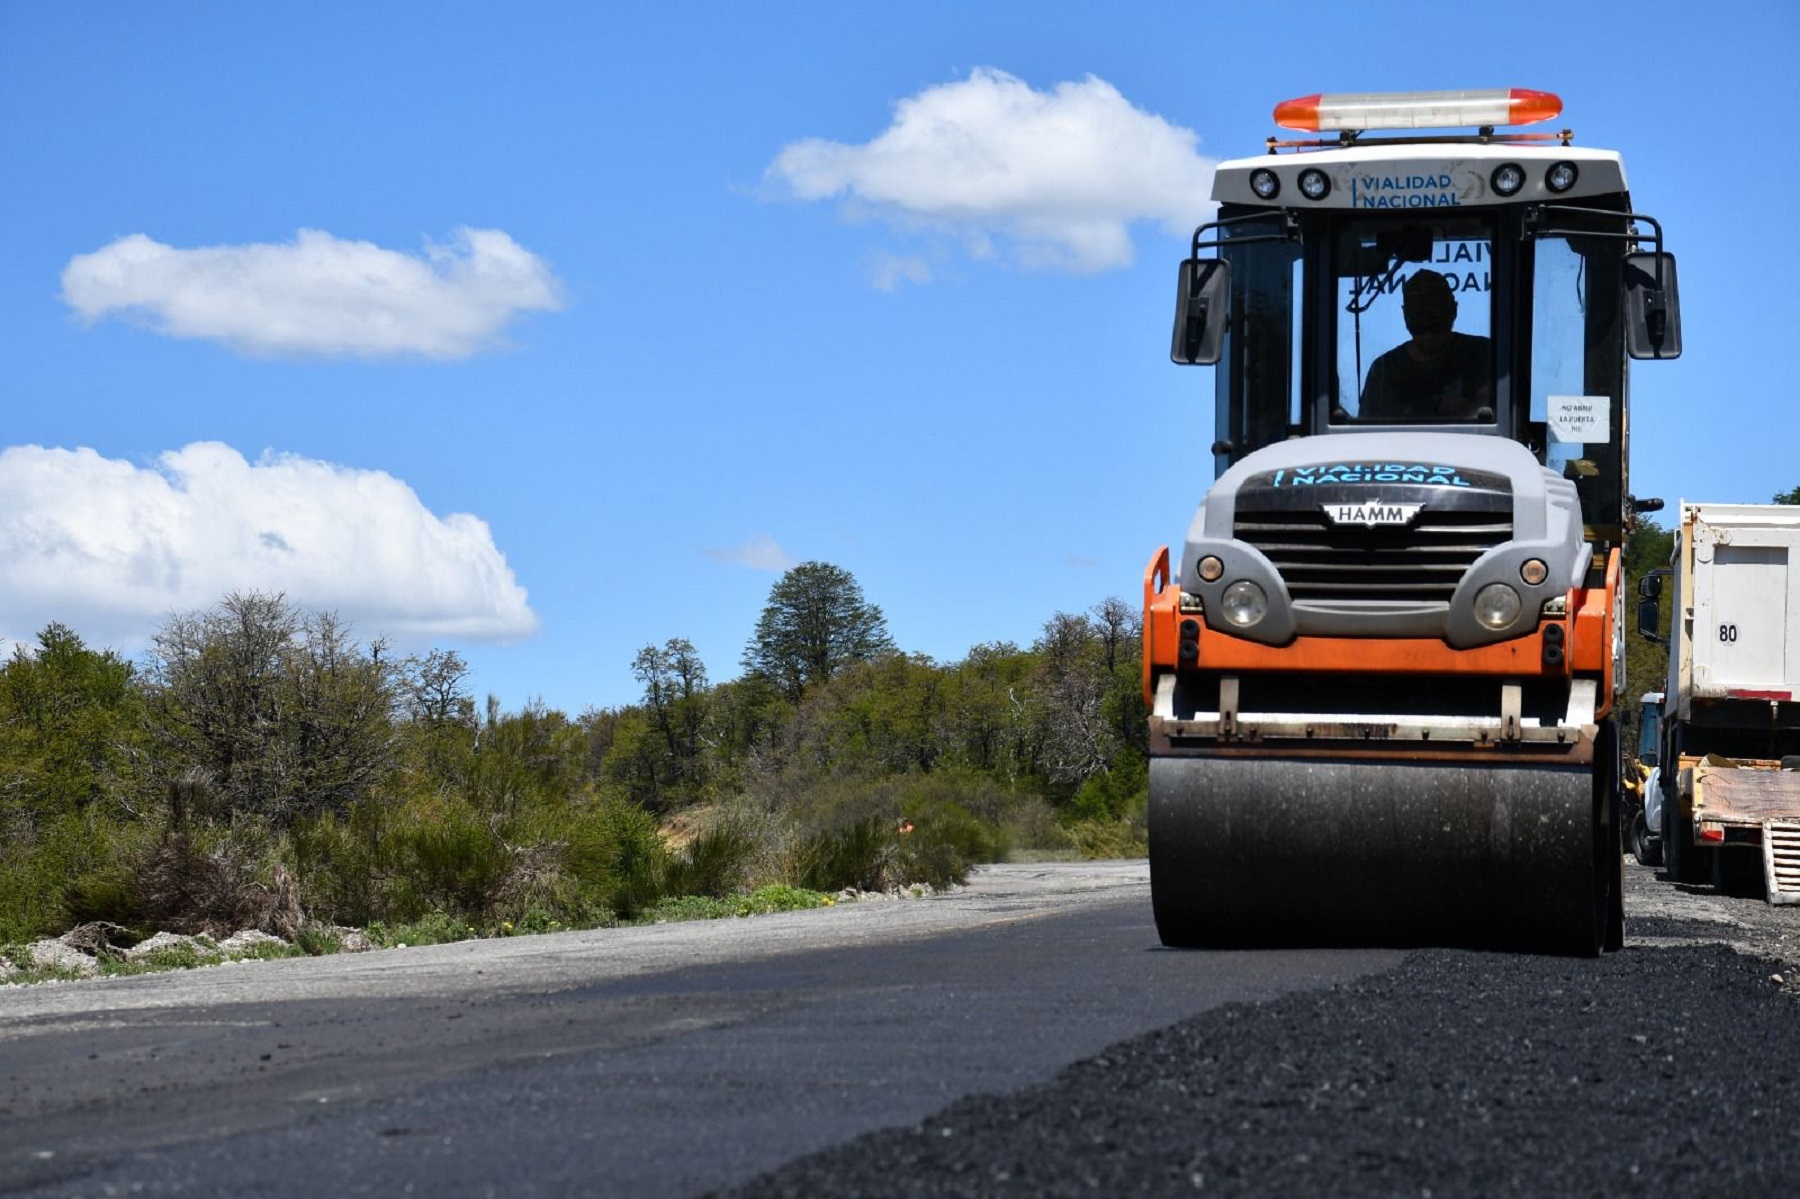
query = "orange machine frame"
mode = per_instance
[{"x": 1587, "y": 629}]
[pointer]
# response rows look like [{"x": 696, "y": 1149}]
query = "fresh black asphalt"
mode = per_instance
[{"x": 1656, "y": 1071}]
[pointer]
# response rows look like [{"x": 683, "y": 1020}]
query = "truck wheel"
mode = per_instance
[
  {"x": 1686, "y": 862},
  {"x": 1645, "y": 847}
]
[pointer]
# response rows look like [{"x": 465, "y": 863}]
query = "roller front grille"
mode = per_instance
[{"x": 1423, "y": 562}]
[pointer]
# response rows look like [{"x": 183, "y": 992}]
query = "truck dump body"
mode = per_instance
[
  {"x": 1731, "y": 811},
  {"x": 1743, "y": 629}
]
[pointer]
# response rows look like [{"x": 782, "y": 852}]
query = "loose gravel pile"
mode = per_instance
[{"x": 1665, "y": 1071}]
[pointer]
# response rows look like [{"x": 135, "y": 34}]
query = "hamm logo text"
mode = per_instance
[{"x": 1371, "y": 513}]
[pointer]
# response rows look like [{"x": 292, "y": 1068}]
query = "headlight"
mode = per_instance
[
  {"x": 1314, "y": 184},
  {"x": 1561, "y": 177},
  {"x": 1496, "y": 605},
  {"x": 1534, "y": 571},
  {"x": 1211, "y": 568},
  {"x": 1264, "y": 183},
  {"x": 1244, "y": 603},
  {"x": 1508, "y": 178}
]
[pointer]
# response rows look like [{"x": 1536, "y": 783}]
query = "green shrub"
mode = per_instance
[
  {"x": 716, "y": 862},
  {"x": 318, "y": 942},
  {"x": 65, "y": 870},
  {"x": 616, "y": 855},
  {"x": 345, "y": 865},
  {"x": 184, "y": 956},
  {"x": 776, "y": 897},
  {"x": 675, "y": 909},
  {"x": 1112, "y": 794},
  {"x": 943, "y": 840},
  {"x": 107, "y": 895},
  {"x": 859, "y": 854},
  {"x": 452, "y": 861},
  {"x": 779, "y": 897},
  {"x": 435, "y": 928}
]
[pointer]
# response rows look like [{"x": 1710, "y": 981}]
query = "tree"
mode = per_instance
[
  {"x": 1069, "y": 689},
  {"x": 434, "y": 690},
  {"x": 70, "y": 726},
  {"x": 1787, "y": 497},
  {"x": 280, "y": 711},
  {"x": 676, "y": 702},
  {"x": 815, "y": 624}
]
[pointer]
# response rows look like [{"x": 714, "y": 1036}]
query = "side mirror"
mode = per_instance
[
  {"x": 1652, "y": 306},
  {"x": 1650, "y": 586},
  {"x": 1649, "y": 617},
  {"x": 1200, "y": 303}
]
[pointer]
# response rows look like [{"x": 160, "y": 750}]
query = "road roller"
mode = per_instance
[{"x": 1384, "y": 674}]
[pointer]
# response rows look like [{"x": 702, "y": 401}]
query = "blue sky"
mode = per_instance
[{"x": 547, "y": 331}]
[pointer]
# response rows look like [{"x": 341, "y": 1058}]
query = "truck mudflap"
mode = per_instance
[{"x": 1263, "y": 851}]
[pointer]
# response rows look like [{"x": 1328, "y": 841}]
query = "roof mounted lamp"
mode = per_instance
[{"x": 1363, "y": 111}]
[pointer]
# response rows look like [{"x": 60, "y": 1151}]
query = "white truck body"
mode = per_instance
[
  {"x": 1730, "y": 772},
  {"x": 1740, "y": 632}
]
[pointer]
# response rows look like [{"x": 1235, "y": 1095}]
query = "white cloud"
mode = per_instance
[
  {"x": 759, "y": 553},
  {"x": 318, "y": 296},
  {"x": 111, "y": 548},
  {"x": 889, "y": 271},
  {"x": 1057, "y": 177}
]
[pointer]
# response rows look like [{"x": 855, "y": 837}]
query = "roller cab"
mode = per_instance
[{"x": 1383, "y": 671}]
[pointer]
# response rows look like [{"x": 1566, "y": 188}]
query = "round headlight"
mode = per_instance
[
  {"x": 1507, "y": 179},
  {"x": 1496, "y": 605},
  {"x": 1534, "y": 571},
  {"x": 1210, "y": 569},
  {"x": 1561, "y": 177},
  {"x": 1314, "y": 183},
  {"x": 1245, "y": 604},
  {"x": 1264, "y": 183}
]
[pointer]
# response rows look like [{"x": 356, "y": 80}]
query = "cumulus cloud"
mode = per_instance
[
  {"x": 1041, "y": 178},
  {"x": 758, "y": 553},
  {"x": 111, "y": 548},
  {"x": 318, "y": 295}
]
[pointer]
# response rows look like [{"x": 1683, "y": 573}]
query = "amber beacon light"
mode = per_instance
[{"x": 1359, "y": 111}]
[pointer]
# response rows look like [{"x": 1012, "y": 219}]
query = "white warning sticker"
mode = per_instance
[{"x": 1581, "y": 419}]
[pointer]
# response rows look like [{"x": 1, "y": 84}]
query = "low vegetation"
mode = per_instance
[{"x": 261, "y": 769}]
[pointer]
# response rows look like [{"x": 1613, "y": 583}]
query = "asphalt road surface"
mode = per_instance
[{"x": 1026, "y": 1036}]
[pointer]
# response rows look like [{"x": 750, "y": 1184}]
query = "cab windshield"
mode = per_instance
[
  {"x": 1414, "y": 314},
  {"x": 1466, "y": 320}
]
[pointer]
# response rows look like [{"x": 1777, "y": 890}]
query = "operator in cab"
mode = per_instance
[{"x": 1438, "y": 374}]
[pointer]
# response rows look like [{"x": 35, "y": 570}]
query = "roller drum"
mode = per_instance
[{"x": 1247, "y": 851}]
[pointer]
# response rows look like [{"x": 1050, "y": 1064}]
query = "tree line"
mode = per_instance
[{"x": 259, "y": 765}]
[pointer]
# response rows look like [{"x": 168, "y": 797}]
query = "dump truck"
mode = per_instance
[
  {"x": 1383, "y": 673},
  {"x": 1728, "y": 721}
]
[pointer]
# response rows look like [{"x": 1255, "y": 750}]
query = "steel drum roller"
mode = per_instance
[{"x": 1261, "y": 851}]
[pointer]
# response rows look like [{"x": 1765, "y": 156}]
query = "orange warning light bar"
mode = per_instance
[{"x": 1360, "y": 111}]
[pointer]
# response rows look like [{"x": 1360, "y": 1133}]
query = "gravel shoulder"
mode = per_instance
[{"x": 995, "y": 895}]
